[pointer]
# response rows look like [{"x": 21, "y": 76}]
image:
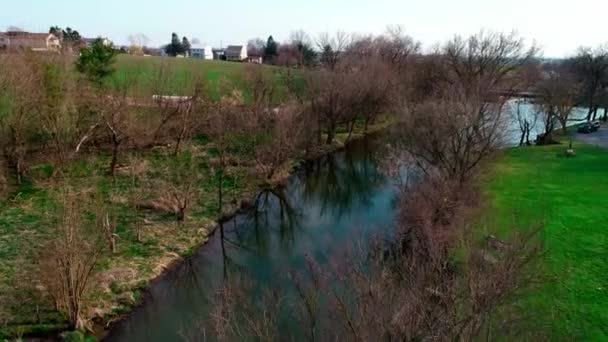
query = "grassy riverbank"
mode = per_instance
[
  {"x": 568, "y": 195},
  {"x": 25, "y": 226}
]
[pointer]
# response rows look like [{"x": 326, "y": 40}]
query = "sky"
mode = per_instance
[{"x": 558, "y": 26}]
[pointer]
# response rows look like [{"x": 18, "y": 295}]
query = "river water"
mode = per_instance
[{"x": 326, "y": 205}]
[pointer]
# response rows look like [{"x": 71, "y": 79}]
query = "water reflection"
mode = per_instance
[
  {"x": 321, "y": 208},
  {"x": 340, "y": 182}
]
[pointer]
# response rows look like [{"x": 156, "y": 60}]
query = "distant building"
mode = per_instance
[
  {"x": 219, "y": 54},
  {"x": 88, "y": 42},
  {"x": 18, "y": 40},
  {"x": 255, "y": 59},
  {"x": 236, "y": 53},
  {"x": 201, "y": 51},
  {"x": 4, "y": 41}
]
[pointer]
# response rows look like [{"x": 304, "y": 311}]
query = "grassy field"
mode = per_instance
[
  {"x": 539, "y": 184},
  {"x": 183, "y": 72}
]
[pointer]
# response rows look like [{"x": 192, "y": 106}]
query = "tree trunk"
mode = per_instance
[
  {"x": 331, "y": 129},
  {"x": 113, "y": 243},
  {"x": 19, "y": 171},
  {"x": 523, "y": 136},
  {"x": 350, "y": 130},
  {"x": 595, "y": 113},
  {"x": 219, "y": 190},
  {"x": 319, "y": 130},
  {"x": 605, "y": 114},
  {"x": 114, "y": 161},
  {"x": 138, "y": 231},
  {"x": 590, "y": 112},
  {"x": 115, "y": 146}
]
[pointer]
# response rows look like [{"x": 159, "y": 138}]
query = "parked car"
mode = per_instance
[
  {"x": 595, "y": 125},
  {"x": 586, "y": 128}
]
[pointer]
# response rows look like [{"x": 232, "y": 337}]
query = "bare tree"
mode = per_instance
[
  {"x": 255, "y": 47},
  {"x": 462, "y": 123},
  {"x": 283, "y": 128},
  {"x": 332, "y": 47},
  {"x": 137, "y": 43},
  {"x": 222, "y": 123},
  {"x": 68, "y": 261},
  {"x": 175, "y": 106},
  {"x": 557, "y": 100},
  {"x": 178, "y": 190},
  {"x": 591, "y": 69},
  {"x": 22, "y": 85},
  {"x": 526, "y": 120},
  {"x": 138, "y": 168},
  {"x": 106, "y": 221}
]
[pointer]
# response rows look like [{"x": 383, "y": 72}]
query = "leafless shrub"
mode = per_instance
[
  {"x": 106, "y": 221},
  {"x": 21, "y": 100},
  {"x": 223, "y": 122},
  {"x": 137, "y": 172},
  {"x": 236, "y": 316},
  {"x": 283, "y": 137},
  {"x": 68, "y": 261},
  {"x": 179, "y": 186}
]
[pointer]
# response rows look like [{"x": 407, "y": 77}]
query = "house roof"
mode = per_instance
[
  {"x": 28, "y": 39},
  {"x": 234, "y": 50},
  {"x": 199, "y": 46}
]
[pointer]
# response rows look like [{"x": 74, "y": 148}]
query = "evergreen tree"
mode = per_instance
[
  {"x": 271, "y": 49},
  {"x": 186, "y": 46},
  {"x": 68, "y": 37},
  {"x": 175, "y": 47},
  {"x": 308, "y": 54},
  {"x": 71, "y": 36},
  {"x": 56, "y": 31},
  {"x": 97, "y": 62},
  {"x": 328, "y": 56}
]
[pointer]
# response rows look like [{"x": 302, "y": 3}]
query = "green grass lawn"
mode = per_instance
[
  {"x": 570, "y": 195},
  {"x": 183, "y": 72}
]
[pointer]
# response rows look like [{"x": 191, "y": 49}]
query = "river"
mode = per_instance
[{"x": 326, "y": 205}]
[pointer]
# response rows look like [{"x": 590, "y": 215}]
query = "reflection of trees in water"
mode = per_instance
[
  {"x": 342, "y": 182},
  {"x": 253, "y": 232}
]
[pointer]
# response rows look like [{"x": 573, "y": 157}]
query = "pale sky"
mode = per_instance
[{"x": 558, "y": 26}]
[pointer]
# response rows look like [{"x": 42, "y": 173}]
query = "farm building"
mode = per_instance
[{"x": 201, "y": 51}]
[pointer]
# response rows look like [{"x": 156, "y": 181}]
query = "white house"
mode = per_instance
[
  {"x": 236, "y": 53},
  {"x": 201, "y": 51}
]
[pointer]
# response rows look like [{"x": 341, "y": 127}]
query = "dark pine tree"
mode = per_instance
[{"x": 271, "y": 49}]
